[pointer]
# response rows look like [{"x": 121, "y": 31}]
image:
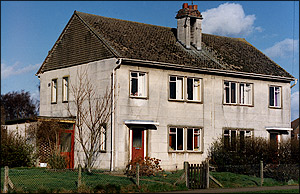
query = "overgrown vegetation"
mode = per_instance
[
  {"x": 14, "y": 150},
  {"x": 57, "y": 161},
  {"x": 280, "y": 162},
  {"x": 148, "y": 166}
]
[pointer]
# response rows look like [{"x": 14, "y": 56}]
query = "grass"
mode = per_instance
[
  {"x": 45, "y": 180},
  {"x": 231, "y": 180},
  {"x": 40, "y": 180},
  {"x": 276, "y": 191}
]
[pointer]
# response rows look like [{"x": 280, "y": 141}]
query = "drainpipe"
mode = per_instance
[
  {"x": 294, "y": 83},
  {"x": 112, "y": 117}
]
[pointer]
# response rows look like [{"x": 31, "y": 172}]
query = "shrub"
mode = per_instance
[
  {"x": 246, "y": 157},
  {"x": 14, "y": 150},
  {"x": 57, "y": 161},
  {"x": 148, "y": 166}
]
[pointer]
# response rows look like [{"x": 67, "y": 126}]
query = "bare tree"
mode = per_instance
[{"x": 92, "y": 108}]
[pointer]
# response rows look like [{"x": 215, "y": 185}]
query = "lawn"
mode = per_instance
[
  {"x": 276, "y": 191},
  {"x": 37, "y": 180}
]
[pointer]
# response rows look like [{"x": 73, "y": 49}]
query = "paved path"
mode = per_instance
[{"x": 237, "y": 190}]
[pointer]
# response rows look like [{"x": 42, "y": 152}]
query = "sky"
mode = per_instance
[{"x": 29, "y": 29}]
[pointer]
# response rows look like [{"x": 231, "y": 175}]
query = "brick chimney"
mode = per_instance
[{"x": 189, "y": 30}]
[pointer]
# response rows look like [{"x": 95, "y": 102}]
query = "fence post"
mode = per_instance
[
  {"x": 5, "y": 186},
  {"x": 138, "y": 174},
  {"x": 186, "y": 172},
  {"x": 207, "y": 174},
  {"x": 261, "y": 173},
  {"x": 79, "y": 176}
]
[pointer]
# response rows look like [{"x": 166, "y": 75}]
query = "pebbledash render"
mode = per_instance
[{"x": 175, "y": 90}]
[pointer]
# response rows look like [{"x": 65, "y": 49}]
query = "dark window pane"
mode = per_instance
[
  {"x": 172, "y": 90},
  {"x": 190, "y": 139},
  {"x": 133, "y": 74},
  {"x": 65, "y": 142},
  {"x": 226, "y": 92},
  {"x": 172, "y": 141},
  {"x": 190, "y": 88},
  {"x": 271, "y": 95},
  {"x": 134, "y": 86},
  {"x": 172, "y": 78},
  {"x": 179, "y": 139},
  {"x": 233, "y": 93},
  {"x": 233, "y": 140},
  {"x": 137, "y": 138}
]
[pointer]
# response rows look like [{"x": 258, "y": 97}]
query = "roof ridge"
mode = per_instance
[{"x": 123, "y": 20}]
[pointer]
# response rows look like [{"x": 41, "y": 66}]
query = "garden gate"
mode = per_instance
[{"x": 197, "y": 175}]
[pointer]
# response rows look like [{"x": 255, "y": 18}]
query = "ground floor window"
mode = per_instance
[
  {"x": 236, "y": 137},
  {"x": 185, "y": 139}
]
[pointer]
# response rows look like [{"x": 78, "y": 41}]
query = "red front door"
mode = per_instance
[
  {"x": 66, "y": 145},
  {"x": 137, "y": 143}
]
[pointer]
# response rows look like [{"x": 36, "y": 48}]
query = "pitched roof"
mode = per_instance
[
  {"x": 89, "y": 37},
  {"x": 295, "y": 124}
]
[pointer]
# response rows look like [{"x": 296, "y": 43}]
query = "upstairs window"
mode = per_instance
[
  {"x": 275, "y": 96},
  {"x": 176, "y": 88},
  {"x": 193, "y": 89},
  {"x": 138, "y": 84},
  {"x": 54, "y": 91},
  {"x": 245, "y": 94},
  {"x": 230, "y": 94},
  {"x": 65, "y": 89},
  {"x": 238, "y": 93}
]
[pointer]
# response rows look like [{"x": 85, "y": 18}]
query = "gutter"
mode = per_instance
[
  {"x": 296, "y": 80},
  {"x": 112, "y": 115},
  {"x": 210, "y": 70}
]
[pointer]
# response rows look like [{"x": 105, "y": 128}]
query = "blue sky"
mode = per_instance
[{"x": 30, "y": 28}]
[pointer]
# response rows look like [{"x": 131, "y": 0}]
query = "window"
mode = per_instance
[
  {"x": 233, "y": 137},
  {"x": 193, "y": 89},
  {"x": 176, "y": 88},
  {"x": 238, "y": 93},
  {"x": 230, "y": 92},
  {"x": 103, "y": 138},
  {"x": 275, "y": 96},
  {"x": 184, "y": 139},
  {"x": 193, "y": 139},
  {"x": 54, "y": 91},
  {"x": 138, "y": 84},
  {"x": 65, "y": 89},
  {"x": 176, "y": 139},
  {"x": 245, "y": 94}
]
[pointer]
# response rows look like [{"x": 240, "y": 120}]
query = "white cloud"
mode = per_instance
[
  {"x": 295, "y": 105},
  {"x": 283, "y": 48},
  {"x": 16, "y": 69},
  {"x": 228, "y": 19}
]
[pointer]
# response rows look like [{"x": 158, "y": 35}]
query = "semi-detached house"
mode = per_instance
[{"x": 176, "y": 90}]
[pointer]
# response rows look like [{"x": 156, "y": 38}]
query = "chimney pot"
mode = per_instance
[
  {"x": 195, "y": 7},
  {"x": 190, "y": 6},
  {"x": 185, "y": 5}
]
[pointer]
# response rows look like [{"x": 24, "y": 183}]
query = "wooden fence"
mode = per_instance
[{"x": 197, "y": 175}]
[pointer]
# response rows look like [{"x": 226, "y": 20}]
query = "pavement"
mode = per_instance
[{"x": 238, "y": 190}]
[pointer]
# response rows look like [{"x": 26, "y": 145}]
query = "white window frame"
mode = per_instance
[
  {"x": 176, "y": 137},
  {"x": 179, "y": 85},
  {"x": 142, "y": 84},
  {"x": 199, "y": 138},
  {"x": 245, "y": 93},
  {"x": 230, "y": 93},
  {"x": 196, "y": 89},
  {"x": 54, "y": 91},
  {"x": 248, "y": 134},
  {"x": 277, "y": 90},
  {"x": 65, "y": 89}
]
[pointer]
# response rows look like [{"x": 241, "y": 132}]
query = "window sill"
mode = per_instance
[
  {"x": 195, "y": 101},
  {"x": 181, "y": 152},
  {"x": 275, "y": 107},
  {"x": 65, "y": 101},
  {"x": 231, "y": 104},
  {"x": 139, "y": 97},
  {"x": 175, "y": 100}
]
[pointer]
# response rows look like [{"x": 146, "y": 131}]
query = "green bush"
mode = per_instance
[
  {"x": 14, "y": 151},
  {"x": 57, "y": 161},
  {"x": 246, "y": 156}
]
